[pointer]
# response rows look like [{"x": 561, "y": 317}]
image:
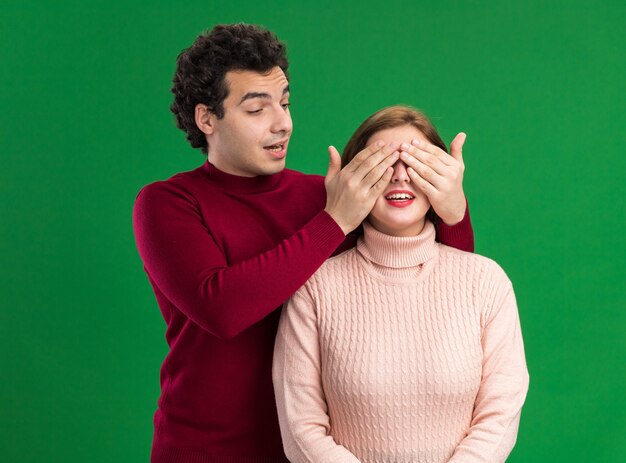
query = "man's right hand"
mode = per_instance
[{"x": 352, "y": 191}]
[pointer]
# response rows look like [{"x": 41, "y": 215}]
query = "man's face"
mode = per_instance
[{"x": 252, "y": 137}]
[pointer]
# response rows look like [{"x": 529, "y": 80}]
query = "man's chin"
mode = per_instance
[{"x": 274, "y": 168}]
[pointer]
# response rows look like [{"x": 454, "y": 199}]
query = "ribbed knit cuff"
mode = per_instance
[{"x": 325, "y": 232}]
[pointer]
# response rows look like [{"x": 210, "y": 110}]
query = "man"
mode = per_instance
[{"x": 226, "y": 244}]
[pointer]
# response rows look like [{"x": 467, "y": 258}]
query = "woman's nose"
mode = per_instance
[{"x": 399, "y": 173}]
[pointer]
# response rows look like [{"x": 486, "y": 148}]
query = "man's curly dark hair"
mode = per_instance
[{"x": 201, "y": 70}]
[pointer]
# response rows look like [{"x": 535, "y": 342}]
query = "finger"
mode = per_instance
[
  {"x": 375, "y": 159},
  {"x": 426, "y": 187},
  {"x": 364, "y": 154},
  {"x": 334, "y": 164},
  {"x": 374, "y": 175},
  {"x": 456, "y": 147},
  {"x": 431, "y": 160},
  {"x": 433, "y": 150},
  {"x": 381, "y": 184},
  {"x": 424, "y": 171}
]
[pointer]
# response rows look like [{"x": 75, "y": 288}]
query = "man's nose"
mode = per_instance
[{"x": 282, "y": 121}]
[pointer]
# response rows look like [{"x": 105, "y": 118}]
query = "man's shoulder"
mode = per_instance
[
  {"x": 185, "y": 179},
  {"x": 179, "y": 184},
  {"x": 193, "y": 185},
  {"x": 291, "y": 174},
  {"x": 189, "y": 177},
  {"x": 301, "y": 185}
]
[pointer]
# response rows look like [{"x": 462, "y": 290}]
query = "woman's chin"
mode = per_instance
[{"x": 398, "y": 228}]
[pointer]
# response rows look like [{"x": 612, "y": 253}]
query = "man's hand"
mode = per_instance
[
  {"x": 352, "y": 191},
  {"x": 439, "y": 175}
]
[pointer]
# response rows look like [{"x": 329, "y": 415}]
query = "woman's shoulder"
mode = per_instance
[
  {"x": 338, "y": 263},
  {"x": 471, "y": 264},
  {"x": 334, "y": 270}
]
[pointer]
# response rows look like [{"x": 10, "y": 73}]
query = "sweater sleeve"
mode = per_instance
[
  {"x": 503, "y": 387},
  {"x": 183, "y": 260},
  {"x": 459, "y": 236},
  {"x": 302, "y": 408}
]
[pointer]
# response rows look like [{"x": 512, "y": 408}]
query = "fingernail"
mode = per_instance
[
  {"x": 415, "y": 141},
  {"x": 380, "y": 143},
  {"x": 404, "y": 146},
  {"x": 404, "y": 156},
  {"x": 393, "y": 145}
]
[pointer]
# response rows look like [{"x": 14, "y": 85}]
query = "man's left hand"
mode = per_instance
[{"x": 439, "y": 175}]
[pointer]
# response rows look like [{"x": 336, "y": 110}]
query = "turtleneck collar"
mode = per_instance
[
  {"x": 240, "y": 184},
  {"x": 395, "y": 251}
]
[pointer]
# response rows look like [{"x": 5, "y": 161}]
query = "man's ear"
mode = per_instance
[{"x": 205, "y": 119}]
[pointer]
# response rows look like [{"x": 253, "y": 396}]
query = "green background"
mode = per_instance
[{"x": 537, "y": 86}]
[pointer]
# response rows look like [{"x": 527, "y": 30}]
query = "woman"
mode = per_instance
[{"x": 401, "y": 349}]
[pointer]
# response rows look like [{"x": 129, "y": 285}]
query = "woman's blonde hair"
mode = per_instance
[{"x": 389, "y": 118}]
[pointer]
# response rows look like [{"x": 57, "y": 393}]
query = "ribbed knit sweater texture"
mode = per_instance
[{"x": 401, "y": 350}]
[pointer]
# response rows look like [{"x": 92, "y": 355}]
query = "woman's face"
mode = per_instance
[{"x": 401, "y": 209}]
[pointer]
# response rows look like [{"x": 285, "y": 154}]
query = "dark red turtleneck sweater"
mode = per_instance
[{"x": 223, "y": 253}]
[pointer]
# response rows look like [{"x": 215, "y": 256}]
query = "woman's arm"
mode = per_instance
[
  {"x": 302, "y": 409},
  {"x": 502, "y": 392}
]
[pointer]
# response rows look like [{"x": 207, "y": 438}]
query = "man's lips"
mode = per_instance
[
  {"x": 400, "y": 198},
  {"x": 278, "y": 149}
]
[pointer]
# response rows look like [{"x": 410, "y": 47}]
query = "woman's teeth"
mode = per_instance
[{"x": 398, "y": 196}]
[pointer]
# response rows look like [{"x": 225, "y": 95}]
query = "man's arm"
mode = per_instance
[
  {"x": 183, "y": 260},
  {"x": 186, "y": 264},
  {"x": 440, "y": 176},
  {"x": 460, "y": 235}
]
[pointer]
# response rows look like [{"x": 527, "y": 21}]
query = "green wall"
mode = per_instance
[{"x": 537, "y": 86}]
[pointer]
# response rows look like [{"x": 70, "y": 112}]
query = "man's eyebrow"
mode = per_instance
[
  {"x": 263, "y": 95},
  {"x": 251, "y": 95}
]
